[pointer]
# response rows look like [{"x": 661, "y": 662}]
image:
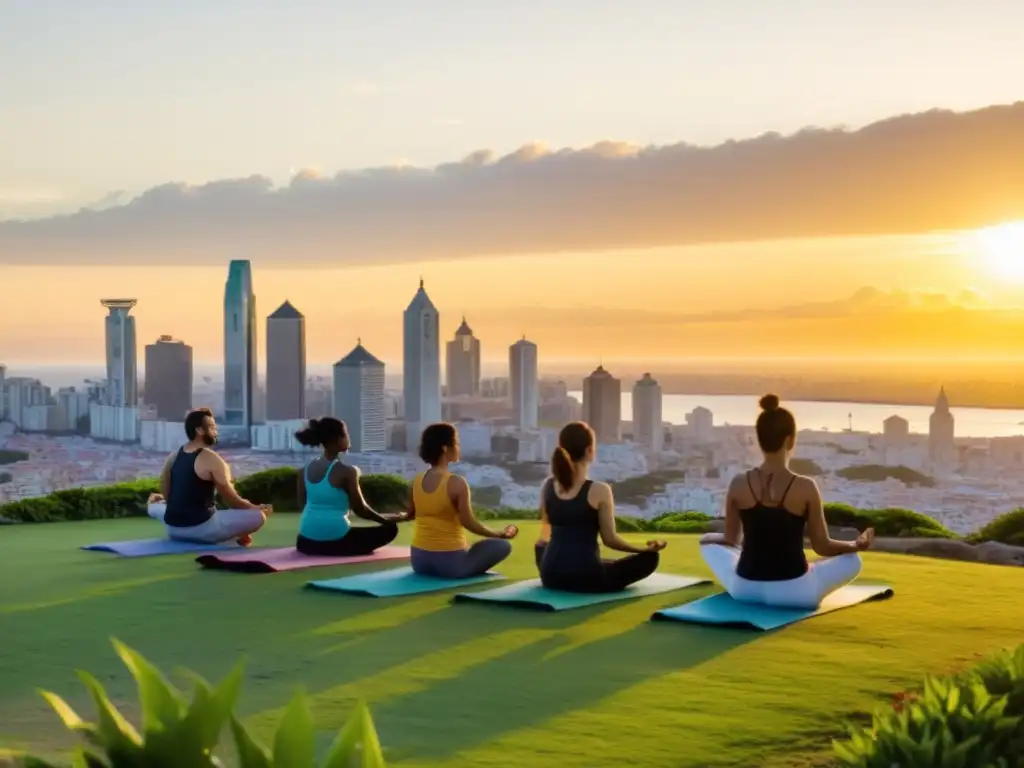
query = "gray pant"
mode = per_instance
[
  {"x": 460, "y": 563},
  {"x": 225, "y": 525}
]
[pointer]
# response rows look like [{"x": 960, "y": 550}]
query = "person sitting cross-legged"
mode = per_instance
[
  {"x": 443, "y": 512},
  {"x": 190, "y": 478},
  {"x": 327, "y": 490},
  {"x": 575, "y": 513},
  {"x": 767, "y": 511}
]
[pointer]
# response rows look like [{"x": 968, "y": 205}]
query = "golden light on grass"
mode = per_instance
[{"x": 1001, "y": 248}]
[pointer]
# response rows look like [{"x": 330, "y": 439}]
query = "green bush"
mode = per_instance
[
  {"x": 876, "y": 473},
  {"x": 5, "y": 477},
  {"x": 12, "y": 457},
  {"x": 892, "y": 522},
  {"x": 1006, "y": 529},
  {"x": 975, "y": 719},
  {"x": 177, "y": 733},
  {"x": 385, "y": 493},
  {"x": 806, "y": 467}
]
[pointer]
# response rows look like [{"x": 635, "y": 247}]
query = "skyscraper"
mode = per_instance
[
  {"x": 647, "y": 428},
  {"x": 169, "y": 378},
  {"x": 239, "y": 346},
  {"x": 122, "y": 355},
  {"x": 941, "y": 434},
  {"x": 462, "y": 358},
  {"x": 421, "y": 366},
  {"x": 286, "y": 364},
  {"x": 359, "y": 399},
  {"x": 602, "y": 405},
  {"x": 3, "y": 392},
  {"x": 523, "y": 384}
]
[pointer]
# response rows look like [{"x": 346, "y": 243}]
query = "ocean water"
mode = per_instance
[{"x": 739, "y": 410}]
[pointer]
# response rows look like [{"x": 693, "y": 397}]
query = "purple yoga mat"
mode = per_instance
[{"x": 289, "y": 559}]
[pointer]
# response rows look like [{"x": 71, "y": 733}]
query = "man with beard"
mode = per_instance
[{"x": 188, "y": 481}]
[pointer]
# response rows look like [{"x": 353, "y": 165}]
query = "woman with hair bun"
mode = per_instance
[
  {"x": 575, "y": 514},
  {"x": 328, "y": 489},
  {"x": 767, "y": 510}
]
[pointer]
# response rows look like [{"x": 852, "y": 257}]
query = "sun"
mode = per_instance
[{"x": 1002, "y": 248}]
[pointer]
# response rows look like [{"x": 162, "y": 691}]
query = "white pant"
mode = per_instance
[
  {"x": 225, "y": 525},
  {"x": 823, "y": 578}
]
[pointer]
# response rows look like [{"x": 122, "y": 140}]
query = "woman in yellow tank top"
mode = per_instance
[{"x": 443, "y": 512}]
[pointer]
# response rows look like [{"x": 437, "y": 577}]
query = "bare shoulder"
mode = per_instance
[
  {"x": 345, "y": 470},
  {"x": 738, "y": 482},
  {"x": 457, "y": 483},
  {"x": 805, "y": 486},
  {"x": 600, "y": 491}
]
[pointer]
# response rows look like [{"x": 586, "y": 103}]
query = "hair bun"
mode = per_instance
[
  {"x": 770, "y": 403},
  {"x": 313, "y": 424}
]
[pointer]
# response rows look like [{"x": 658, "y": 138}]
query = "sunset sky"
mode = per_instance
[{"x": 200, "y": 132}]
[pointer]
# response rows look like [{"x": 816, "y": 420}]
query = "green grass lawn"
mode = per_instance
[{"x": 479, "y": 685}]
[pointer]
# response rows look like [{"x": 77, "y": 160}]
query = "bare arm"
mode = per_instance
[
  {"x": 300, "y": 488},
  {"x": 458, "y": 488},
  {"x": 356, "y": 500},
  {"x": 545, "y": 524},
  {"x": 733, "y": 523},
  {"x": 600, "y": 496},
  {"x": 817, "y": 528},
  {"x": 165, "y": 476},
  {"x": 220, "y": 473},
  {"x": 410, "y": 513}
]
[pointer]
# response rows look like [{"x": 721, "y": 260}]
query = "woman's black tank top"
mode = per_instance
[
  {"x": 773, "y": 541},
  {"x": 191, "y": 500},
  {"x": 573, "y": 548}
]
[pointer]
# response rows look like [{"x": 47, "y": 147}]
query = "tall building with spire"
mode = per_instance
[
  {"x": 647, "y": 426},
  {"x": 524, "y": 386},
  {"x": 602, "y": 405},
  {"x": 286, "y": 364},
  {"x": 122, "y": 354},
  {"x": 462, "y": 362},
  {"x": 359, "y": 399},
  {"x": 421, "y": 366},
  {"x": 240, "y": 356},
  {"x": 941, "y": 435}
]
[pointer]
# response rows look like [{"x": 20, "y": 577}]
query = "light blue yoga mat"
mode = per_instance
[
  {"x": 530, "y": 594},
  {"x": 150, "y": 547},
  {"x": 396, "y": 582},
  {"x": 722, "y": 610}
]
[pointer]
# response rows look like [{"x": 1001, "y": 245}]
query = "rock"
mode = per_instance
[
  {"x": 843, "y": 534},
  {"x": 947, "y": 549},
  {"x": 1000, "y": 554},
  {"x": 715, "y": 526}
]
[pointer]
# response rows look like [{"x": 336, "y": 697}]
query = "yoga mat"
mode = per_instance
[
  {"x": 530, "y": 594},
  {"x": 289, "y": 559},
  {"x": 396, "y": 582},
  {"x": 149, "y": 547},
  {"x": 722, "y": 610}
]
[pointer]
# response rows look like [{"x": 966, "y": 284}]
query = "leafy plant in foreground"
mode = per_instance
[
  {"x": 956, "y": 722},
  {"x": 178, "y": 733}
]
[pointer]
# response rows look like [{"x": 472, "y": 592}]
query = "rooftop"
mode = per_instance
[
  {"x": 286, "y": 312},
  {"x": 359, "y": 356}
]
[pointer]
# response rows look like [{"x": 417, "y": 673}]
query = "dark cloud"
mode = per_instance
[{"x": 934, "y": 170}]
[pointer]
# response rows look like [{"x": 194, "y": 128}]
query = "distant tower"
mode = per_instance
[
  {"x": 941, "y": 434},
  {"x": 359, "y": 399},
  {"x": 647, "y": 427},
  {"x": 286, "y": 364},
  {"x": 169, "y": 378},
  {"x": 462, "y": 362},
  {"x": 602, "y": 405},
  {"x": 239, "y": 346},
  {"x": 523, "y": 384},
  {"x": 122, "y": 362},
  {"x": 421, "y": 369}
]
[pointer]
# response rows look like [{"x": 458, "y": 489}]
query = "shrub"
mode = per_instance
[
  {"x": 806, "y": 467},
  {"x": 876, "y": 473},
  {"x": 892, "y": 522},
  {"x": 176, "y": 732},
  {"x": 386, "y": 493},
  {"x": 972, "y": 719},
  {"x": 12, "y": 457},
  {"x": 1006, "y": 529},
  {"x": 5, "y": 477}
]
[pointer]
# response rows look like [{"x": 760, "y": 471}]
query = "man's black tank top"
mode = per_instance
[
  {"x": 773, "y": 541},
  {"x": 190, "y": 502},
  {"x": 573, "y": 550}
]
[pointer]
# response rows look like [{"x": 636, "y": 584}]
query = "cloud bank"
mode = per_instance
[{"x": 933, "y": 170}]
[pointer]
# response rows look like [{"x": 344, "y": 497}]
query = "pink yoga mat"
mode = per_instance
[{"x": 288, "y": 559}]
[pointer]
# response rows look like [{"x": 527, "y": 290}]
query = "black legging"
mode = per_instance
[
  {"x": 358, "y": 541},
  {"x": 613, "y": 575}
]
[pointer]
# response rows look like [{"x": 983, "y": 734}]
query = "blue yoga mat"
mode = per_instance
[
  {"x": 530, "y": 594},
  {"x": 149, "y": 547},
  {"x": 722, "y": 610},
  {"x": 396, "y": 582}
]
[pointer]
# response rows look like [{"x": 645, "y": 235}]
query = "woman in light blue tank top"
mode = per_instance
[{"x": 328, "y": 490}]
